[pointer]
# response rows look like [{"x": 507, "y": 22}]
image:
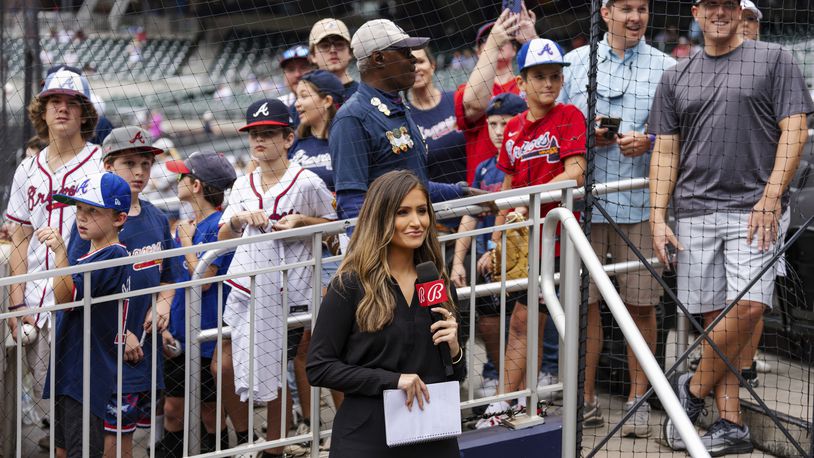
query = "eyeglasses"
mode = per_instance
[{"x": 326, "y": 45}]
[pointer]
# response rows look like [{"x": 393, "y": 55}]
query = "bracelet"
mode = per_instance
[
  {"x": 16, "y": 306},
  {"x": 232, "y": 227},
  {"x": 460, "y": 356}
]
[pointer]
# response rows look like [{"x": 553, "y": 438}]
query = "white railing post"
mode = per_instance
[{"x": 569, "y": 291}]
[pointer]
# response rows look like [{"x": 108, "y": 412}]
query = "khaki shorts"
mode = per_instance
[{"x": 637, "y": 288}]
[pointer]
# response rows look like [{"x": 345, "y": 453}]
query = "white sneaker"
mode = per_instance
[
  {"x": 494, "y": 415},
  {"x": 545, "y": 379},
  {"x": 488, "y": 388},
  {"x": 300, "y": 449},
  {"x": 761, "y": 365}
]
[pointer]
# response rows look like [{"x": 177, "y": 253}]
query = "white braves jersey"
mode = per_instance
[
  {"x": 299, "y": 191},
  {"x": 30, "y": 204}
]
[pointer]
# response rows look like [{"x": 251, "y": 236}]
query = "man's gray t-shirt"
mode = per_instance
[{"x": 726, "y": 110}]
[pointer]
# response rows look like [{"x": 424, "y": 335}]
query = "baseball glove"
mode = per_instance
[{"x": 517, "y": 251}]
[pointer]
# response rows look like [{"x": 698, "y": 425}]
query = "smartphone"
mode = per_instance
[
  {"x": 671, "y": 257},
  {"x": 514, "y": 6},
  {"x": 612, "y": 124}
]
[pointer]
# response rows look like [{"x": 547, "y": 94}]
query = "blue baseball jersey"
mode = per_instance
[
  {"x": 206, "y": 231},
  {"x": 488, "y": 178},
  {"x": 147, "y": 232},
  {"x": 69, "y": 332},
  {"x": 313, "y": 154},
  {"x": 372, "y": 134},
  {"x": 446, "y": 145}
]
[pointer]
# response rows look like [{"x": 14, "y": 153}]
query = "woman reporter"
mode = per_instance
[{"x": 371, "y": 334}]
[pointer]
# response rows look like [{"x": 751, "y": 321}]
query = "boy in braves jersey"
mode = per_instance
[
  {"x": 102, "y": 202},
  {"x": 128, "y": 152},
  {"x": 277, "y": 195},
  {"x": 202, "y": 179},
  {"x": 544, "y": 144},
  {"x": 62, "y": 114}
]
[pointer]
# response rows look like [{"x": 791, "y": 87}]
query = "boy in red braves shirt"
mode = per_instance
[{"x": 544, "y": 144}]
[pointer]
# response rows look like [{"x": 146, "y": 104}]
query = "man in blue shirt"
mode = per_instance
[
  {"x": 627, "y": 76},
  {"x": 374, "y": 133}
]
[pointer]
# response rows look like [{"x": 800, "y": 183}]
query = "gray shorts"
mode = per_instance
[{"x": 717, "y": 264}]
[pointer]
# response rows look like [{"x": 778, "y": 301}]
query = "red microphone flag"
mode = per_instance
[{"x": 431, "y": 293}]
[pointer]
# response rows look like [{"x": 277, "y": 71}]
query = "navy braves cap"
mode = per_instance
[
  {"x": 102, "y": 190},
  {"x": 267, "y": 112},
  {"x": 327, "y": 83},
  {"x": 540, "y": 51},
  {"x": 208, "y": 166},
  {"x": 294, "y": 52},
  {"x": 506, "y": 104},
  {"x": 128, "y": 138},
  {"x": 65, "y": 80}
]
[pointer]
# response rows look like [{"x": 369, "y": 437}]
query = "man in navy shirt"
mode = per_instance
[{"x": 374, "y": 133}]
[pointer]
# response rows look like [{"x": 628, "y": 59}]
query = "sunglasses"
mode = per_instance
[{"x": 326, "y": 45}]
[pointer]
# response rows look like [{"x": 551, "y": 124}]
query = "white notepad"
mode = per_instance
[{"x": 440, "y": 419}]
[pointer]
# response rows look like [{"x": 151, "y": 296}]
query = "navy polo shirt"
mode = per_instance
[{"x": 368, "y": 141}]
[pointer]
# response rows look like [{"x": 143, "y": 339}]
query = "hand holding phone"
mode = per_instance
[{"x": 612, "y": 126}]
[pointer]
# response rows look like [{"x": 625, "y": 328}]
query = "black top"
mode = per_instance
[{"x": 362, "y": 365}]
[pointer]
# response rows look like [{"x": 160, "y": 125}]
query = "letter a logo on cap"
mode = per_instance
[
  {"x": 137, "y": 138},
  {"x": 546, "y": 50},
  {"x": 264, "y": 110}
]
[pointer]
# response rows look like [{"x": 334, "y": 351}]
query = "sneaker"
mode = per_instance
[
  {"x": 761, "y": 365},
  {"x": 724, "y": 437},
  {"x": 545, "y": 379},
  {"x": 693, "y": 360},
  {"x": 44, "y": 442},
  {"x": 750, "y": 375},
  {"x": 637, "y": 425},
  {"x": 488, "y": 388},
  {"x": 302, "y": 448},
  {"x": 693, "y": 407},
  {"x": 592, "y": 416},
  {"x": 494, "y": 415}
]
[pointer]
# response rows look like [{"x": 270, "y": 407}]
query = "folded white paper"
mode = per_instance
[{"x": 440, "y": 419}]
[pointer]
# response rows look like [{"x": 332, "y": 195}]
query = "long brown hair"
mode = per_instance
[
  {"x": 367, "y": 251},
  {"x": 36, "y": 111}
]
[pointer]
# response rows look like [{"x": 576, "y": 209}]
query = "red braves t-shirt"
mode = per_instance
[
  {"x": 533, "y": 152},
  {"x": 478, "y": 145}
]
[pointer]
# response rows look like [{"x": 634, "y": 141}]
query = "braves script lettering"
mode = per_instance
[
  {"x": 545, "y": 146},
  {"x": 36, "y": 198}
]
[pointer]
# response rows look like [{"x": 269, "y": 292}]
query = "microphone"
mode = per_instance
[{"x": 431, "y": 291}]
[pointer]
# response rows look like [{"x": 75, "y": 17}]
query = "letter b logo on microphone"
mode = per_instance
[{"x": 431, "y": 293}]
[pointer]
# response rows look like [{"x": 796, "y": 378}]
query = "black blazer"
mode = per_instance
[{"x": 363, "y": 365}]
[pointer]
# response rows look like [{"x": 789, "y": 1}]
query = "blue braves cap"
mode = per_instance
[
  {"x": 540, "y": 51},
  {"x": 506, "y": 104},
  {"x": 267, "y": 112},
  {"x": 102, "y": 190},
  {"x": 294, "y": 52},
  {"x": 66, "y": 80},
  {"x": 327, "y": 83}
]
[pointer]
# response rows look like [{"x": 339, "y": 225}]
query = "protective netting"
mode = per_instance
[{"x": 713, "y": 122}]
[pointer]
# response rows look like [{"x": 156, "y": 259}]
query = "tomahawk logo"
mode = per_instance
[
  {"x": 263, "y": 110},
  {"x": 546, "y": 50},
  {"x": 137, "y": 138}
]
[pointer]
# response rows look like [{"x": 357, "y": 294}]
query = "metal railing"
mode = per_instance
[
  {"x": 532, "y": 197},
  {"x": 575, "y": 248}
]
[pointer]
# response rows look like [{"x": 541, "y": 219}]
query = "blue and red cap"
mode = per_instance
[
  {"x": 267, "y": 112},
  {"x": 66, "y": 80},
  {"x": 102, "y": 190}
]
